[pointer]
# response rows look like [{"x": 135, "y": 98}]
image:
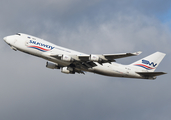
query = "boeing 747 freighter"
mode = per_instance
[{"x": 71, "y": 62}]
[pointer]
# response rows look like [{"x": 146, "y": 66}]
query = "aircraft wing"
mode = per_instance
[
  {"x": 88, "y": 60},
  {"x": 121, "y": 55},
  {"x": 106, "y": 57}
]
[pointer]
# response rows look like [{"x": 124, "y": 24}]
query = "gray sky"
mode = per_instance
[{"x": 30, "y": 91}]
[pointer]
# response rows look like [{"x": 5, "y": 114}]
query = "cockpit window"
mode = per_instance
[{"x": 18, "y": 34}]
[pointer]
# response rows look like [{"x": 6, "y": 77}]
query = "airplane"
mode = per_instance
[{"x": 71, "y": 62}]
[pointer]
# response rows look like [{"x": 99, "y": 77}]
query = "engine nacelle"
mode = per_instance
[
  {"x": 67, "y": 70},
  {"x": 52, "y": 65},
  {"x": 95, "y": 58},
  {"x": 67, "y": 58}
]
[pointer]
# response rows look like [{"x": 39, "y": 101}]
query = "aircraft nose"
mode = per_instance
[
  {"x": 5, "y": 38},
  {"x": 8, "y": 40}
]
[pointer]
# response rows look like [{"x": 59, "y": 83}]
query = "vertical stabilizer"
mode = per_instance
[{"x": 149, "y": 63}]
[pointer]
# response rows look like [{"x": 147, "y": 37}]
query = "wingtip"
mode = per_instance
[
  {"x": 137, "y": 53},
  {"x": 164, "y": 72}
]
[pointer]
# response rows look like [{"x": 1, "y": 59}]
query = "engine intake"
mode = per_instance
[
  {"x": 67, "y": 70},
  {"x": 52, "y": 65}
]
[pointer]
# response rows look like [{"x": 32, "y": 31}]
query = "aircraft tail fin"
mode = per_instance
[{"x": 149, "y": 63}]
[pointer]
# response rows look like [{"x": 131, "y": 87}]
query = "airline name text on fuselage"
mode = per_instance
[{"x": 41, "y": 44}]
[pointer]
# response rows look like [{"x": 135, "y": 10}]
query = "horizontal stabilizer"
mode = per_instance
[{"x": 151, "y": 74}]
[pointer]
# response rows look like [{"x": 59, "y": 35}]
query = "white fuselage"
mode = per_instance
[{"x": 41, "y": 48}]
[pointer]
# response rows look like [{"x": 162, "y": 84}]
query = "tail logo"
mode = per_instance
[
  {"x": 145, "y": 63},
  {"x": 148, "y": 63}
]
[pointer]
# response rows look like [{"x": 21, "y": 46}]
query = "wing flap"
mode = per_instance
[{"x": 84, "y": 57}]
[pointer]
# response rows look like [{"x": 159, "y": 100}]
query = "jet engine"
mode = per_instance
[
  {"x": 67, "y": 70},
  {"x": 95, "y": 58},
  {"x": 67, "y": 58},
  {"x": 52, "y": 65}
]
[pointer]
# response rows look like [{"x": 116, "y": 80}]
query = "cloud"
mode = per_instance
[
  {"x": 119, "y": 34},
  {"x": 31, "y": 91}
]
